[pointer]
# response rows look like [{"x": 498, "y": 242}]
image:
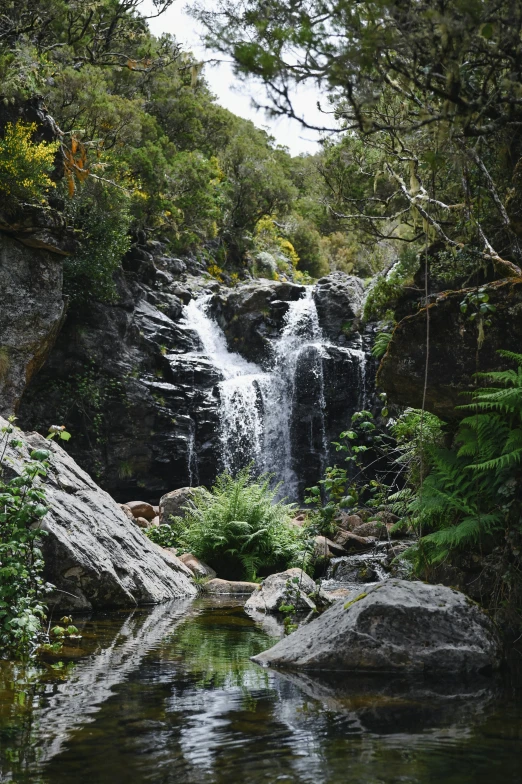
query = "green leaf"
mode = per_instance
[{"x": 40, "y": 454}]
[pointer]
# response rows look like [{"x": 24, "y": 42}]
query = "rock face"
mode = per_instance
[
  {"x": 252, "y": 315},
  {"x": 454, "y": 354},
  {"x": 136, "y": 415},
  {"x": 339, "y": 299},
  {"x": 292, "y": 587},
  {"x": 94, "y": 555},
  {"x": 135, "y": 384},
  {"x": 397, "y": 626},
  {"x": 30, "y": 316}
]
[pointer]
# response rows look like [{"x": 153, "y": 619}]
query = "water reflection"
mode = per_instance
[{"x": 170, "y": 695}]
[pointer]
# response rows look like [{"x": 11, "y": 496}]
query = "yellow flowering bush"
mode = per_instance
[
  {"x": 25, "y": 165},
  {"x": 215, "y": 272},
  {"x": 268, "y": 240}
]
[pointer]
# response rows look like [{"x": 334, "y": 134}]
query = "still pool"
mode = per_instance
[{"x": 170, "y": 695}]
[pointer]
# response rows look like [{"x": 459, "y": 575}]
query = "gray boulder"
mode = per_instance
[
  {"x": 292, "y": 587},
  {"x": 396, "y": 626},
  {"x": 173, "y": 504},
  {"x": 94, "y": 555}
]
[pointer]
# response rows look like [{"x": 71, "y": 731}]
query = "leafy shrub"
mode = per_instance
[
  {"x": 472, "y": 490},
  {"x": 101, "y": 215},
  {"x": 25, "y": 165},
  {"x": 388, "y": 286},
  {"x": 22, "y": 505},
  {"x": 239, "y": 528}
]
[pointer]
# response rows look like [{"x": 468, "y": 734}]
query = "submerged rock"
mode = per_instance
[
  {"x": 94, "y": 555},
  {"x": 396, "y": 626},
  {"x": 293, "y": 587}
]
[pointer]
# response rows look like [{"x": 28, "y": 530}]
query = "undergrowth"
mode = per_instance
[{"x": 238, "y": 527}]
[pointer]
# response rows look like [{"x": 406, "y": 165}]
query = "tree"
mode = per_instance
[{"x": 431, "y": 90}]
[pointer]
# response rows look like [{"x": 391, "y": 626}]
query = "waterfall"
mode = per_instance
[
  {"x": 192, "y": 456},
  {"x": 241, "y": 404},
  {"x": 257, "y": 407}
]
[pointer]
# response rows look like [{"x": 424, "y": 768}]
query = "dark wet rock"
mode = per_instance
[
  {"x": 292, "y": 587},
  {"x": 175, "y": 503},
  {"x": 218, "y": 586},
  {"x": 357, "y": 569},
  {"x": 396, "y": 626},
  {"x": 156, "y": 411},
  {"x": 94, "y": 555},
  {"x": 454, "y": 354},
  {"x": 252, "y": 315},
  {"x": 339, "y": 300},
  {"x": 31, "y": 315}
]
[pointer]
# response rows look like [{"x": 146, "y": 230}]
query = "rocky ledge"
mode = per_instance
[{"x": 395, "y": 626}]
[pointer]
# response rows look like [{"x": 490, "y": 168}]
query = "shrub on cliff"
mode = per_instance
[
  {"x": 239, "y": 528},
  {"x": 25, "y": 165}
]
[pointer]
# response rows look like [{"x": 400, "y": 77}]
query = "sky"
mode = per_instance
[{"x": 235, "y": 95}]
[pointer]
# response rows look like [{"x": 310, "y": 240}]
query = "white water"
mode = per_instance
[{"x": 256, "y": 406}]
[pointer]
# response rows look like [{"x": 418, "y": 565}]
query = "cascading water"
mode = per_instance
[{"x": 257, "y": 421}]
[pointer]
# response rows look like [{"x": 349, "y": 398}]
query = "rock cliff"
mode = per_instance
[
  {"x": 135, "y": 387},
  {"x": 457, "y": 349}
]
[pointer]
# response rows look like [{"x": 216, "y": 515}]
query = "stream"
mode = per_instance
[{"x": 169, "y": 694}]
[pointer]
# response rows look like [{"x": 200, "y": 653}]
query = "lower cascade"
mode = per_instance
[{"x": 258, "y": 408}]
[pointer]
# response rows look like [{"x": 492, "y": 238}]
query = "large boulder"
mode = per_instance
[
  {"x": 339, "y": 299},
  {"x": 454, "y": 351},
  {"x": 94, "y": 555},
  {"x": 396, "y": 626},
  {"x": 293, "y": 587}
]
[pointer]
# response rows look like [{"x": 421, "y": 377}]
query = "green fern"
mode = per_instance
[
  {"x": 239, "y": 527},
  {"x": 470, "y": 489}
]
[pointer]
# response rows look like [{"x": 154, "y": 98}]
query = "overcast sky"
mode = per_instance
[{"x": 235, "y": 95}]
